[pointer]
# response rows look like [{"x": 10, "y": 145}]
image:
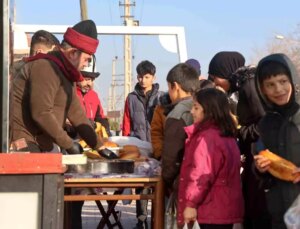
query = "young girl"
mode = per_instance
[{"x": 210, "y": 185}]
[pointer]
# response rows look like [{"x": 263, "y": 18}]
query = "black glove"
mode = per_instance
[
  {"x": 93, "y": 123},
  {"x": 75, "y": 149},
  {"x": 70, "y": 131},
  {"x": 108, "y": 154}
]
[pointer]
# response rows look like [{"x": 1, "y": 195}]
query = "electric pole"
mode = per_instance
[
  {"x": 128, "y": 21},
  {"x": 112, "y": 105},
  {"x": 83, "y": 10}
]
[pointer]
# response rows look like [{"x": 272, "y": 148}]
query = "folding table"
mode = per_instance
[{"x": 155, "y": 183}]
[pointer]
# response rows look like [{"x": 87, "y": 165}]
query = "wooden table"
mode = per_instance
[{"x": 155, "y": 183}]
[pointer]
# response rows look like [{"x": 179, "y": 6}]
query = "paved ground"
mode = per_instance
[{"x": 91, "y": 215}]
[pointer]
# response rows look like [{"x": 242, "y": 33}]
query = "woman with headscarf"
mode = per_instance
[{"x": 227, "y": 69}]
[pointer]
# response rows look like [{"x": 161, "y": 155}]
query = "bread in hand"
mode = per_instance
[{"x": 280, "y": 167}]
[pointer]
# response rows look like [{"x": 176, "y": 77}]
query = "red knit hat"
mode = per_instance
[{"x": 83, "y": 36}]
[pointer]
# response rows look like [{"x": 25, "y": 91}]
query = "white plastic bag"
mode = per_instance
[
  {"x": 195, "y": 226},
  {"x": 292, "y": 215},
  {"x": 144, "y": 147}
]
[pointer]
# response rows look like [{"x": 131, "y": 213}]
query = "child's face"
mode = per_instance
[
  {"x": 172, "y": 92},
  {"x": 277, "y": 89},
  {"x": 146, "y": 81},
  {"x": 197, "y": 112}
]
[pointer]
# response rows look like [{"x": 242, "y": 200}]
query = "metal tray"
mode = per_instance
[{"x": 110, "y": 166}]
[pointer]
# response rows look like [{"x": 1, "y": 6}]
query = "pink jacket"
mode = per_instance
[{"x": 210, "y": 177}]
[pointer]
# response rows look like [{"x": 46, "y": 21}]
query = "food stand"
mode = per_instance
[{"x": 31, "y": 191}]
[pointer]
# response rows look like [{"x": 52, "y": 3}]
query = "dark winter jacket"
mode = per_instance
[
  {"x": 174, "y": 140},
  {"x": 249, "y": 112},
  {"x": 280, "y": 133},
  {"x": 138, "y": 112}
]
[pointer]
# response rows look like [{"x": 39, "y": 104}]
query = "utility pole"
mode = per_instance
[
  {"x": 112, "y": 104},
  {"x": 83, "y": 10},
  {"x": 128, "y": 21}
]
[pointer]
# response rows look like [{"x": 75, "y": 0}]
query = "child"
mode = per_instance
[
  {"x": 210, "y": 185},
  {"x": 182, "y": 82},
  {"x": 138, "y": 113},
  {"x": 277, "y": 83}
]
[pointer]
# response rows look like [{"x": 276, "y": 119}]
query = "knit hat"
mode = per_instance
[
  {"x": 90, "y": 71},
  {"x": 195, "y": 64},
  {"x": 224, "y": 64},
  {"x": 83, "y": 36}
]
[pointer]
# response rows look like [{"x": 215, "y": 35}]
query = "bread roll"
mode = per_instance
[
  {"x": 280, "y": 167},
  {"x": 110, "y": 144},
  {"x": 129, "y": 152},
  {"x": 129, "y": 155}
]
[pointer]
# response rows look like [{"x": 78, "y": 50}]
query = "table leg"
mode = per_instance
[
  {"x": 111, "y": 204},
  {"x": 159, "y": 206}
]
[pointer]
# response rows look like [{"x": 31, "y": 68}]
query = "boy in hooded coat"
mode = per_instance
[{"x": 277, "y": 83}]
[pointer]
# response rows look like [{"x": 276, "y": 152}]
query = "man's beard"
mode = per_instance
[{"x": 85, "y": 89}]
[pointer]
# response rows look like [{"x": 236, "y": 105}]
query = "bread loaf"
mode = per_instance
[
  {"x": 110, "y": 144},
  {"x": 280, "y": 167},
  {"x": 129, "y": 152}
]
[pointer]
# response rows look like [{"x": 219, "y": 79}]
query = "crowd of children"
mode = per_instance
[{"x": 202, "y": 127}]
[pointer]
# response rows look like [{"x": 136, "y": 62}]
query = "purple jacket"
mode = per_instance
[{"x": 210, "y": 177}]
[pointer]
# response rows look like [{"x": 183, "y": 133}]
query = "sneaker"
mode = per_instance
[{"x": 141, "y": 225}]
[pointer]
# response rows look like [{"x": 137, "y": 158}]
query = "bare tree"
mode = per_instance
[{"x": 287, "y": 44}]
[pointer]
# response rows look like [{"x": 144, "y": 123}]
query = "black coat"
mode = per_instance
[{"x": 280, "y": 133}]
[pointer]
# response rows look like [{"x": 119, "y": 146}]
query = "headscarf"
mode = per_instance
[{"x": 223, "y": 64}]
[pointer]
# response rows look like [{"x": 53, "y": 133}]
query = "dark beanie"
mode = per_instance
[
  {"x": 194, "y": 64},
  {"x": 83, "y": 36},
  {"x": 223, "y": 64}
]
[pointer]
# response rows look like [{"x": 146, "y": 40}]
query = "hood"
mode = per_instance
[{"x": 294, "y": 77}]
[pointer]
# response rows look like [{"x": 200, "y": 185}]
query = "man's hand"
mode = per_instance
[
  {"x": 75, "y": 149},
  {"x": 262, "y": 163},
  {"x": 189, "y": 214}
]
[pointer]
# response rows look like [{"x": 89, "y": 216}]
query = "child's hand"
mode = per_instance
[
  {"x": 190, "y": 214},
  {"x": 262, "y": 163},
  {"x": 297, "y": 172}
]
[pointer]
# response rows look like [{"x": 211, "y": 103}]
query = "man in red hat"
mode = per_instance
[{"x": 43, "y": 95}]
